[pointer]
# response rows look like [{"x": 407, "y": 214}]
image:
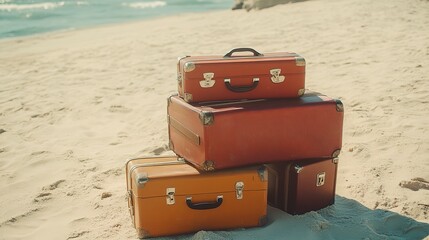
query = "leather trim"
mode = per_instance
[{"x": 193, "y": 137}]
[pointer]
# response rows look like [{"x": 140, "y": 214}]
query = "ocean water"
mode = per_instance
[{"x": 27, "y": 17}]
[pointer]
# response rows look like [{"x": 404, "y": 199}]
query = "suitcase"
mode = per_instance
[
  {"x": 167, "y": 196},
  {"x": 302, "y": 186},
  {"x": 229, "y": 77},
  {"x": 233, "y": 134}
]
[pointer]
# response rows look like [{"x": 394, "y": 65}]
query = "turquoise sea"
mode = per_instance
[{"x": 26, "y": 17}]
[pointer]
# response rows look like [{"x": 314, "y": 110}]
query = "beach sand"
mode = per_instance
[{"x": 74, "y": 106}]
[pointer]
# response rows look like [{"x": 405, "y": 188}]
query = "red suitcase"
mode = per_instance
[
  {"x": 212, "y": 78},
  {"x": 302, "y": 186},
  {"x": 232, "y": 134}
]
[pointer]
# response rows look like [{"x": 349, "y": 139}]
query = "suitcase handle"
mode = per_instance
[
  {"x": 241, "y": 88},
  {"x": 204, "y": 205},
  {"x": 255, "y": 53}
]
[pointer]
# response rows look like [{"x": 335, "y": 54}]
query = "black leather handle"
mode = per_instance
[
  {"x": 204, "y": 205},
  {"x": 255, "y": 53},
  {"x": 241, "y": 88}
]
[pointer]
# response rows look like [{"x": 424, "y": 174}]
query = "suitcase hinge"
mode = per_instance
[
  {"x": 208, "y": 81},
  {"x": 131, "y": 207},
  {"x": 239, "y": 186},
  {"x": 276, "y": 77},
  {"x": 131, "y": 204},
  {"x": 207, "y": 118},
  {"x": 335, "y": 160},
  {"x": 170, "y": 196},
  {"x": 301, "y": 92}
]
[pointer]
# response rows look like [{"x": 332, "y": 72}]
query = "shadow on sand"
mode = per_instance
[{"x": 347, "y": 219}]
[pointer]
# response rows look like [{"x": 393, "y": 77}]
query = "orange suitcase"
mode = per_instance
[
  {"x": 229, "y": 77},
  {"x": 302, "y": 186},
  {"x": 167, "y": 196},
  {"x": 232, "y": 134}
]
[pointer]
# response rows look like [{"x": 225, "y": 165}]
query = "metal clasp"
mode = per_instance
[
  {"x": 170, "y": 196},
  {"x": 208, "y": 81},
  {"x": 275, "y": 75},
  {"x": 321, "y": 179},
  {"x": 239, "y": 186}
]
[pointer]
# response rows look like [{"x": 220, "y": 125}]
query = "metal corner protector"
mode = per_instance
[
  {"x": 207, "y": 118},
  {"x": 141, "y": 179},
  {"x": 300, "y": 61},
  {"x": 189, "y": 67},
  {"x": 187, "y": 97},
  {"x": 336, "y": 153},
  {"x": 208, "y": 165},
  {"x": 339, "y": 105},
  {"x": 263, "y": 173}
]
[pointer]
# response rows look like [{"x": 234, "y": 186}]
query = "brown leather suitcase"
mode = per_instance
[
  {"x": 232, "y": 134},
  {"x": 167, "y": 196},
  {"x": 302, "y": 186},
  {"x": 232, "y": 76}
]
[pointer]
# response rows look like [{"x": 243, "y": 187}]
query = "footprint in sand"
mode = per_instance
[
  {"x": 54, "y": 185},
  {"x": 17, "y": 218},
  {"x": 77, "y": 234},
  {"x": 38, "y": 153},
  {"x": 97, "y": 100},
  {"x": 160, "y": 150},
  {"x": 119, "y": 108},
  {"x": 44, "y": 196},
  {"x": 121, "y": 135},
  {"x": 40, "y": 115},
  {"x": 3, "y": 150},
  {"x": 415, "y": 184}
]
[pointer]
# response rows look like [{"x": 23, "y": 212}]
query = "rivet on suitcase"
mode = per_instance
[
  {"x": 233, "y": 134},
  {"x": 302, "y": 186},
  {"x": 167, "y": 196},
  {"x": 232, "y": 76}
]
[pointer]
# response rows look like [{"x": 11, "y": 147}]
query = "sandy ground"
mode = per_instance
[{"x": 75, "y": 105}]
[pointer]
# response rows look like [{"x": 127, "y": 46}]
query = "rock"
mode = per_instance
[
  {"x": 106, "y": 195},
  {"x": 259, "y": 4},
  {"x": 238, "y": 4}
]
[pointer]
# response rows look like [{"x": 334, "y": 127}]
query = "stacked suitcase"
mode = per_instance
[{"x": 246, "y": 133}]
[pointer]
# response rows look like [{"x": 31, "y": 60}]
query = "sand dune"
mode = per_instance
[{"x": 75, "y": 105}]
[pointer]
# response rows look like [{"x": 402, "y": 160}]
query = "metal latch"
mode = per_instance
[
  {"x": 170, "y": 196},
  {"x": 321, "y": 179},
  {"x": 239, "y": 186},
  {"x": 208, "y": 81},
  {"x": 276, "y": 77}
]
